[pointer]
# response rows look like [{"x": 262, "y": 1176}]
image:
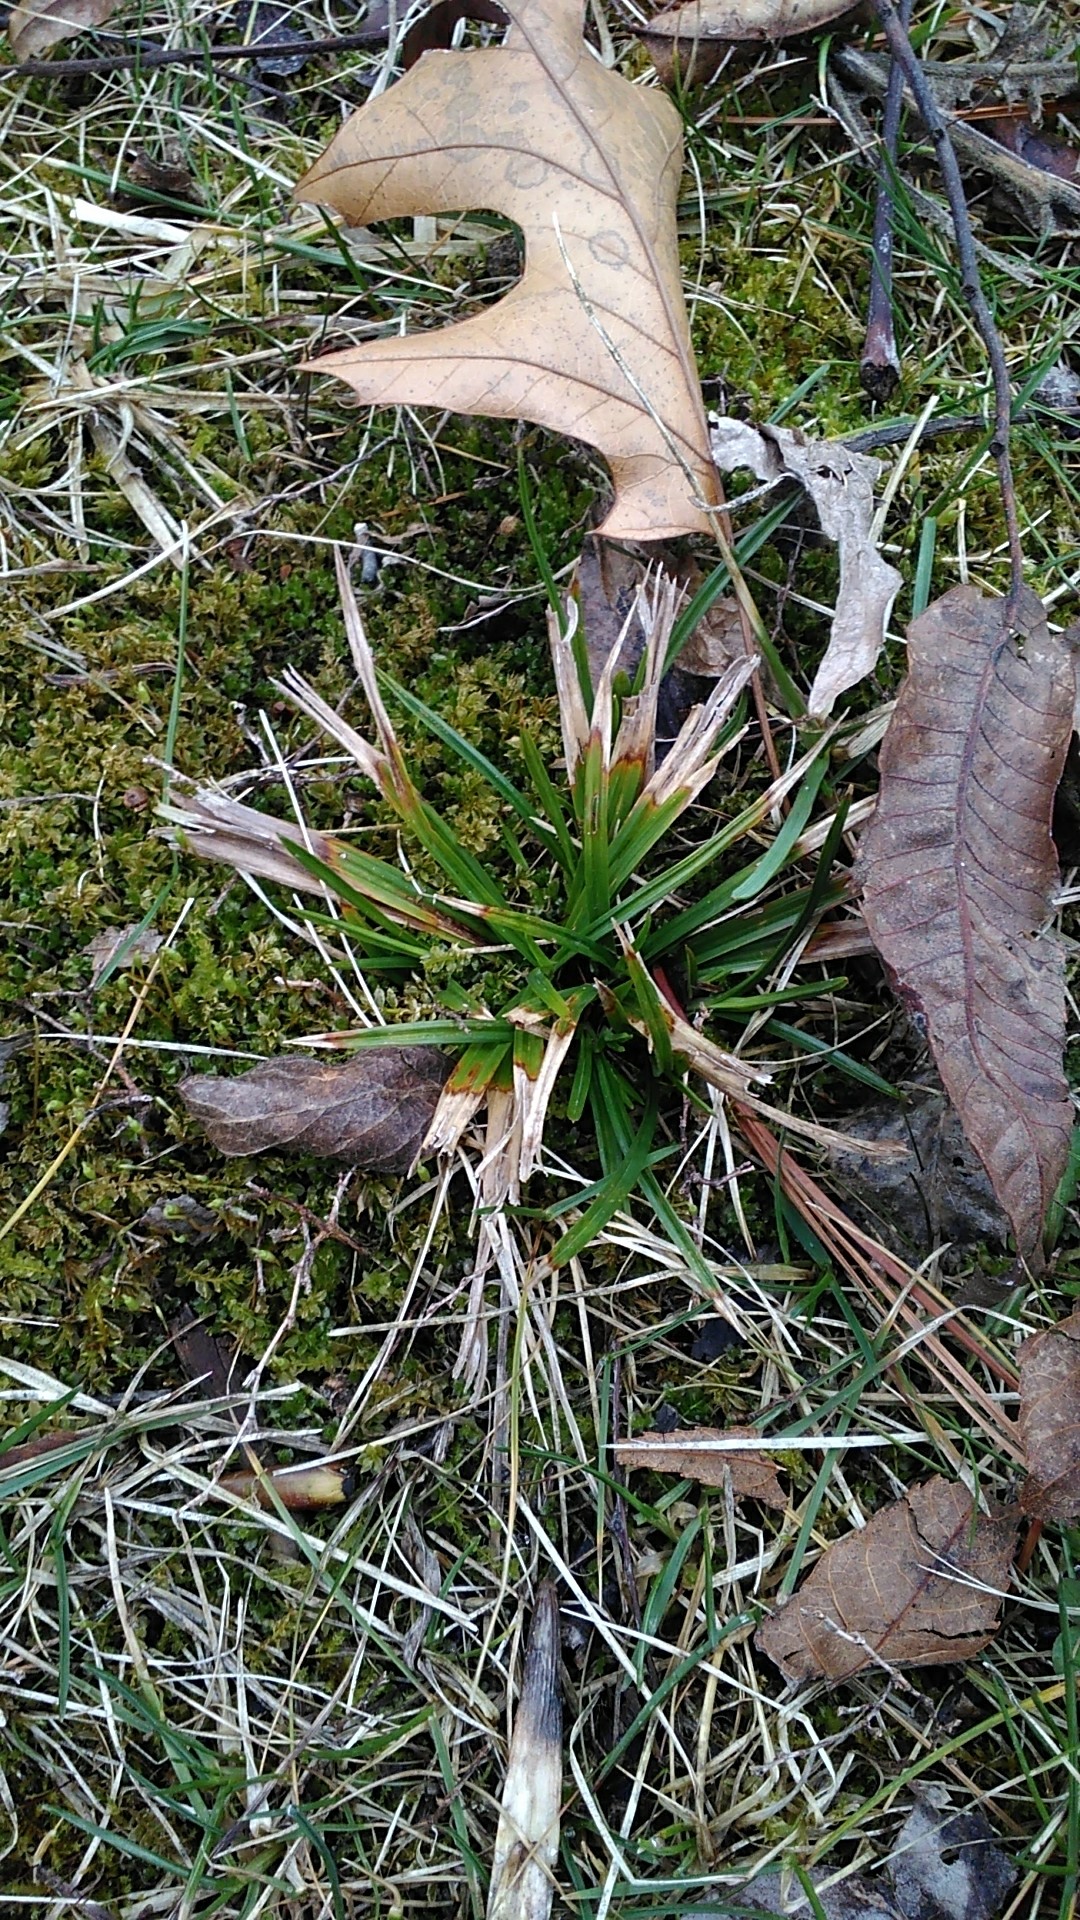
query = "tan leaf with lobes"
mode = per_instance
[
  {"x": 593, "y": 340},
  {"x": 919, "y": 1585},
  {"x": 1049, "y": 1420},
  {"x": 38, "y": 25},
  {"x": 956, "y": 870}
]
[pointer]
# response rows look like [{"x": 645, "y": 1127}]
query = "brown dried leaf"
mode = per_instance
[
  {"x": 116, "y": 948},
  {"x": 1049, "y": 1420},
  {"x": 906, "y": 1591},
  {"x": 693, "y": 1452},
  {"x": 606, "y": 583},
  {"x": 37, "y": 25},
  {"x": 694, "y": 39},
  {"x": 203, "y": 1358},
  {"x": 593, "y": 340},
  {"x": 1046, "y": 151},
  {"x": 956, "y": 870},
  {"x": 372, "y": 1110}
]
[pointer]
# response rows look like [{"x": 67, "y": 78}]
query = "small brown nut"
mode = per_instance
[{"x": 136, "y": 798}]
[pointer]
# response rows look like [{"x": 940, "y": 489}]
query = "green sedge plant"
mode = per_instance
[{"x": 575, "y": 955}]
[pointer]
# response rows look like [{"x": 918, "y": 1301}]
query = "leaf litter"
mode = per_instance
[
  {"x": 840, "y": 484},
  {"x": 1049, "y": 1420},
  {"x": 932, "y": 1627},
  {"x": 944, "y": 1865}
]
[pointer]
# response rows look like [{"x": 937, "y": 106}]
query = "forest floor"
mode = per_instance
[{"x": 211, "y": 1709}]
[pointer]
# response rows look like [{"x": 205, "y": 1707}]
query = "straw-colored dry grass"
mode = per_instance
[{"x": 208, "y": 1708}]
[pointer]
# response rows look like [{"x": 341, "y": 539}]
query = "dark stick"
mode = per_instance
[
  {"x": 879, "y": 367},
  {"x": 970, "y": 284},
  {"x": 372, "y": 36}
]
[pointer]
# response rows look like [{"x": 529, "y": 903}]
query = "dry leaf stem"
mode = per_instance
[{"x": 907, "y": 60}]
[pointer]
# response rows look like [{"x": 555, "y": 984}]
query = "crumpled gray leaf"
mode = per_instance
[
  {"x": 841, "y": 485},
  {"x": 373, "y": 1109},
  {"x": 774, "y": 1892},
  {"x": 945, "y": 1865},
  {"x": 936, "y": 1192}
]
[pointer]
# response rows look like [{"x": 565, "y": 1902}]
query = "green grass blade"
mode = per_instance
[
  {"x": 549, "y": 800},
  {"x": 843, "y": 1062},
  {"x": 510, "y": 795},
  {"x": 615, "y": 1190},
  {"x": 317, "y": 1840},
  {"x": 426, "y": 1033}
]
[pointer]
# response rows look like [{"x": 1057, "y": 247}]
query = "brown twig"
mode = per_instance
[
  {"x": 970, "y": 283},
  {"x": 893, "y": 433},
  {"x": 879, "y": 366},
  {"x": 148, "y": 57}
]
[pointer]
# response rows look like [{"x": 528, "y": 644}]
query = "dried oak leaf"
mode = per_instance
[
  {"x": 373, "y": 1110},
  {"x": 917, "y": 1586},
  {"x": 694, "y": 1453},
  {"x": 593, "y": 340},
  {"x": 37, "y": 25},
  {"x": 956, "y": 870},
  {"x": 694, "y": 39},
  {"x": 1049, "y": 1420},
  {"x": 435, "y": 28}
]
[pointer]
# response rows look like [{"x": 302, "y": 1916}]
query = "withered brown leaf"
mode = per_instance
[
  {"x": 917, "y": 1586},
  {"x": 36, "y": 25},
  {"x": 693, "y": 1452},
  {"x": 693, "y": 39},
  {"x": 956, "y": 870},
  {"x": 373, "y": 1109},
  {"x": 593, "y": 340},
  {"x": 1049, "y": 1420}
]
